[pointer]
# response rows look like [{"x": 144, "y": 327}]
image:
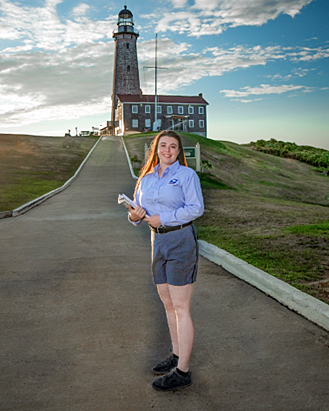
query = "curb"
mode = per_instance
[
  {"x": 128, "y": 160},
  {"x": 302, "y": 303},
  {"x": 5, "y": 214},
  {"x": 27, "y": 206}
]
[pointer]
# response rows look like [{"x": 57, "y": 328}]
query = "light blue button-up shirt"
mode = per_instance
[{"x": 176, "y": 197}]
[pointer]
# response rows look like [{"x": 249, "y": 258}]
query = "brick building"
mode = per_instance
[
  {"x": 132, "y": 111},
  {"x": 185, "y": 113}
]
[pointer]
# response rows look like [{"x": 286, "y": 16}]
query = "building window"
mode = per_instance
[
  {"x": 180, "y": 110},
  {"x": 169, "y": 109},
  {"x": 191, "y": 123},
  {"x": 127, "y": 45},
  {"x": 128, "y": 68},
  {"x": 147, "y": 109},
  {"x": 201, "y": 123},
  {"x": 148, "y": 123},
  {"x": 201, "y": 110},
  {"x": 134, "y": 109},
  {"x": 135, "y": 124},
  {"x": 159, "y": 109},
  {"x": 190, "y": 109}
]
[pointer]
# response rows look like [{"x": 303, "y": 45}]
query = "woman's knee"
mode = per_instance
[
  {"x": 181, "y": 297},
  {"x": 181, "y": 307},
  {"x": 165, "y": 297}
]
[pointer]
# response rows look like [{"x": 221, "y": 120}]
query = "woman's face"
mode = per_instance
[{"x": 168, "y": 150}]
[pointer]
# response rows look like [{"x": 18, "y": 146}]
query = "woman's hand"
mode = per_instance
[
  {"x": 136, "y": 214},
  {"x": 154, "y": 220}
]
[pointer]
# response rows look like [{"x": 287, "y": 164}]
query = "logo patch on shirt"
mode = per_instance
[{"x": 173, "y": 182}]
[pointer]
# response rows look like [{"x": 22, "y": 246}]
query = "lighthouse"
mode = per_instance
[
  {"x": 133, "y": 111},
  {"x": 125, "y": 72}
]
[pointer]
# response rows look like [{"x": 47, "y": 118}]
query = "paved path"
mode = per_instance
[{"x": 81, "y": 323}]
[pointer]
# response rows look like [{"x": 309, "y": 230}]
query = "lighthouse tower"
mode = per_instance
[{"x": 125, "y": 73}]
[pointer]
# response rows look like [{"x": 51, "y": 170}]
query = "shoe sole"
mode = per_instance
[
  {"x": 162, "y": 372},
  {"x": 171, "y": 389}
]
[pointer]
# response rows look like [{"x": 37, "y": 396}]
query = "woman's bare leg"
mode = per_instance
[
  {"x": 181, "y": 300},
  {"x": 164, "y": 294}
]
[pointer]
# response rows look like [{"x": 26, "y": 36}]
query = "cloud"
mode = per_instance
[
  {"x": 42, "y": 85},
  {"x": 178, "y": 3},
  {"x": 42, "y": 28},
  {"x": 263, "y": 89},
  {"x": 62, "y": 67},
  {"x": 214, "y": 16},
  {"x": 81, "y": 10}
]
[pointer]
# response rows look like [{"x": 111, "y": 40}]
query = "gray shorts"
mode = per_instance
[{"x": 175, "y": 256}]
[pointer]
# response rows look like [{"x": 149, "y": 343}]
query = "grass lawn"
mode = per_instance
[
  {"x": 31, "y": 166},
  {"x": 269, "y": 211}
]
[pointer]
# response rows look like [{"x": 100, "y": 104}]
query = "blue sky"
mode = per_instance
[{"x": 262, "y": 65}]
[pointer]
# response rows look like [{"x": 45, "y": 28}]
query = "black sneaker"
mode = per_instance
[
  {"x": 165, "y": 366},
  {"x": 172, "y": 381}
]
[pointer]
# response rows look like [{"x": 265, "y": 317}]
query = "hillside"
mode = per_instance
[
  {"x": 31, "y": 166},
  {"x": 273, "y": 212}
]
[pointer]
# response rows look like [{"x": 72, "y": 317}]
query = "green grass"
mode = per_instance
[
  {"x": 314, "y": 230},
  {"x": 209, "y": 181},
  {"x": 25, "y": 189},
  {"x": 266, "y": 253}
]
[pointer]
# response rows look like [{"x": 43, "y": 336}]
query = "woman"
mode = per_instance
[{"x": 170, "y": 193}]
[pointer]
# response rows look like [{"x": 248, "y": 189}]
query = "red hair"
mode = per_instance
[{"x": 153, "y": 158}]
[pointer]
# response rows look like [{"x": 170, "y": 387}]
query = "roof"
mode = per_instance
[
  {"x": 125, "y": 11},
  {"x": 148, "y": 98}
]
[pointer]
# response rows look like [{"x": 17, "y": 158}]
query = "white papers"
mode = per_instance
[{"x": 126, "y": 201}]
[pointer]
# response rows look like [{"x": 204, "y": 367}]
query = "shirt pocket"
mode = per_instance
[
  {"x": 171, "y": 195},
  {"x": 148, "y": 195}
]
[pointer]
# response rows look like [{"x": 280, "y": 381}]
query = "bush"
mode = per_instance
[{"x": 311, "y": 155}]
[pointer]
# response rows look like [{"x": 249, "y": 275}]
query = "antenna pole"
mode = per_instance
[{"x": 156, "y": 80}]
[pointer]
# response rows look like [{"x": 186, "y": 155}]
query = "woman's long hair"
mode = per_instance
[{"x": 153, "y": 158}]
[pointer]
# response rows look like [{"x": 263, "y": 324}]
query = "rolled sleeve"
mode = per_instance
[{"x": 135, "y": 223}]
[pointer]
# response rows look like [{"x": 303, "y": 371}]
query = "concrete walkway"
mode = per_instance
[{"x": 81, "y": 323}]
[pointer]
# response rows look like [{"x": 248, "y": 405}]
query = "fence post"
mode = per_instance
[
  {"x": 197, "y": 158},
  {"x": 146, "y": 148}
]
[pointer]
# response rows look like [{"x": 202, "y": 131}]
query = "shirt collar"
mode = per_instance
[{"x": 172, "y": 169}]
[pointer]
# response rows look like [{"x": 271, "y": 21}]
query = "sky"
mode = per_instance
[{"x": 262, "y": 65}]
